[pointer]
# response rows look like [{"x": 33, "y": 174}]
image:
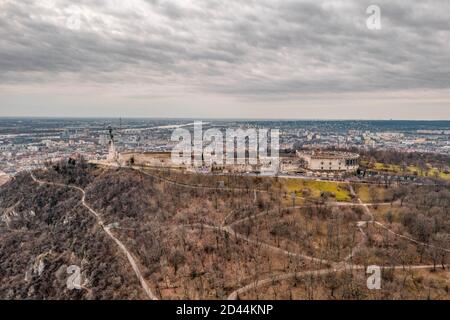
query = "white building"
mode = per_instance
[{"x": 329, "y": 160}]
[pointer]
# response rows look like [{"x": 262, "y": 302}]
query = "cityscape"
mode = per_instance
[
  {"x": 28, "y": 143},
  {"x": 198, "y": 159}
]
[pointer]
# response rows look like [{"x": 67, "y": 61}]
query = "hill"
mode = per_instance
[{"x": 136, "y": 233}]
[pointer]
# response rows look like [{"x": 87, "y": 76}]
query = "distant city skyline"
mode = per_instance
[{"x": 200, "y": 59}]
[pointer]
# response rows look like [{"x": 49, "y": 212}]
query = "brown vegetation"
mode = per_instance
[{"x": 203, "y": 237}]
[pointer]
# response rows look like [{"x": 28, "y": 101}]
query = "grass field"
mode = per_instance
[
  {"x": 412, "y": 170},
  {"x": 317, "y": 187}
]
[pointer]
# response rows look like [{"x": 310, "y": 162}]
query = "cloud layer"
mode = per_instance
[{"x": 253, "y": 49}]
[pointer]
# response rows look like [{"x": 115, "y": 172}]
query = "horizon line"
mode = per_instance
[{"x": 217, "y": 119}]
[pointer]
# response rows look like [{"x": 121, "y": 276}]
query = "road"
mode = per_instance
[{"x": 100, "y": 222}]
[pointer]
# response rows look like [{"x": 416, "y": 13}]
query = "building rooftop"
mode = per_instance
[{"x": 329, "y": 154}]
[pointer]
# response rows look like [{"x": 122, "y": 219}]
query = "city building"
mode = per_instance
[{"x": 329, "y": 160}]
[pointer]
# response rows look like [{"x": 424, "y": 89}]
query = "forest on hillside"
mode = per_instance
[{"x": 210, "y": 237}]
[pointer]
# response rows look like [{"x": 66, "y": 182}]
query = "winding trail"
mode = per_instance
[
  {"x": 260, "y": 283},
  {"x": 372, "y": 220},
  {"x": 100, "y": 222},
  {"x": 336, "y": 266},
  {"x": 230, "y": 231},
  {"x": 192, "y": 186},
  {"x": 409, "y": 238},
  {"x": 267, "y": 281}
]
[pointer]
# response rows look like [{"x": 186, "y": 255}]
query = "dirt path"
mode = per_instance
[
  {"x": 100, "y": 222},
  {"x": 232, "y": 232},
  {"x": 336, "y": 267},
  {"x": 409, "y": 238},
  {"x": 260, "y": 283},
  {"x": 370, "y": 214},
  {"x": 191, "y": 186},
  {"x": 271, "y": 280}
]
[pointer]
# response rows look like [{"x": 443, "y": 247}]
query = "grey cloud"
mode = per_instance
[{"x": 249, "y": 48}]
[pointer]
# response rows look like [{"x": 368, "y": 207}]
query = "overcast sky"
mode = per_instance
[{"x": 228, "y": 58}]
